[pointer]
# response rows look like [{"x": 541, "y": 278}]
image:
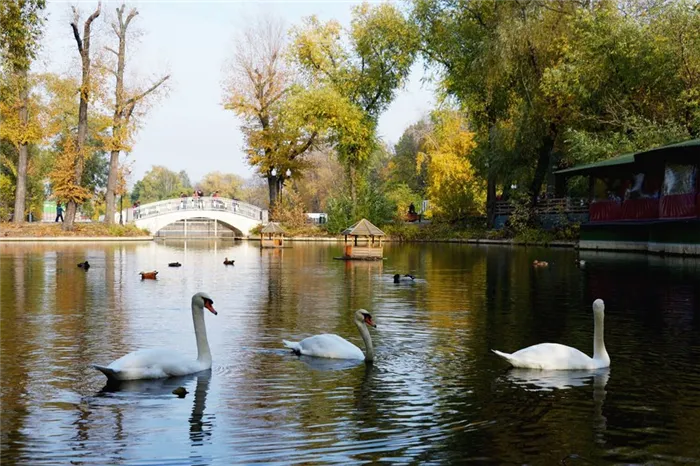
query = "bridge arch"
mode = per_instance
[{"x": 238, "y": 215}]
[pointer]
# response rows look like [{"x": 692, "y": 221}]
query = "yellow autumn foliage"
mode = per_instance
[
  {"x": 455, "y": 192},
  {"x": 65, "y": 185}
]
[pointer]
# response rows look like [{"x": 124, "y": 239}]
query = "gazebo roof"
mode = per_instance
[
  {"x": 273, "y": 227},
  {"x": 363, "y": 228}
]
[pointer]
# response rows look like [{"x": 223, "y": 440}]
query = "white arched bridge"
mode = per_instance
[{"x": 232, "y": 213}]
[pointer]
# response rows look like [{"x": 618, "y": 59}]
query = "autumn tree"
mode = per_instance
[
  {"x": 227, "y": 184},
  {"x": 365, "y": 65},
  {"x": 257, "y": 89},
  {"x": 454, "y": 190},
  {"x": 75, "y": 154},
  {"x": 21, "y": 24},
  {"x": 124, "y": 105}
]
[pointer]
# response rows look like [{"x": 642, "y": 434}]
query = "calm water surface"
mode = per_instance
[{"x": 435, "y": 394}]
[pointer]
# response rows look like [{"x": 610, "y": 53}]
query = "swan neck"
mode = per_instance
[
  {"x": 367, "y": 338},
  {"x": 200, "y": 332},
  {"x": 599, "y": 351}
]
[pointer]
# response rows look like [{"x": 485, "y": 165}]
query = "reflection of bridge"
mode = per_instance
[{"x": 231, "y": 213}]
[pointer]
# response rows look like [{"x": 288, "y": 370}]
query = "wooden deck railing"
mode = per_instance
[{"x": 559, "y": 205}]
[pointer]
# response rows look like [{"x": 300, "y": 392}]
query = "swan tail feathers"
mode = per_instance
[
  {"x": 294, "y": 346},
  {"x": 109, "y": 372},
  {"x": 505, "y": 356}
]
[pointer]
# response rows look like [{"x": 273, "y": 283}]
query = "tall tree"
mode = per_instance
[
  {"x": 365, "y": 65},
  {"x": 78, "y": 151},
  {"x": 21, "y": 24},
  {"x": 258, "y": 84},
  {"x": 124, "y": 106}
]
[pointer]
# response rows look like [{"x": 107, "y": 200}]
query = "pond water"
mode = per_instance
[{"x": 434, "y": 395}]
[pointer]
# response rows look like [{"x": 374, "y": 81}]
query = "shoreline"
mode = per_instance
[
  {"x": 501, "y": 242},
  {"x": 64, "y": 239}
]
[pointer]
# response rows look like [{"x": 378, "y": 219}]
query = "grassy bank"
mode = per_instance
[
  {"x": 48, "y": 230},
  {"x": 412, "y": 232}
]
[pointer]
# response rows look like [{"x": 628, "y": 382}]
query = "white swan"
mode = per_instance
[
  {"x": 335, "y": 347},
  {"x": 161, "y": 363},
  {"x": 553, "y": 356}
]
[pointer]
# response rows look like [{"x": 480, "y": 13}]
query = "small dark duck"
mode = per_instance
[
  {"x": 398, "y": 278},
  {"x": 84, "y": 265},
  {"x": 174, "y": 264},
  {"x": 228, "y": 262},
  {"x": 148, "y": 275},
  {"x": 180, "y": 392}
]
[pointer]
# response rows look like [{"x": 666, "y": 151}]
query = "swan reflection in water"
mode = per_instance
[
  {"x": 326, "y": 364},
  {"x": 542, "y": 380},
  {"x": 539, "y": 380},
  {"x": 200, "y": 429}
]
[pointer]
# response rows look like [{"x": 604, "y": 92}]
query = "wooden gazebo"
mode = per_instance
[
  {"x": 363, "y": 241},
  {"x": 272, "y": 236}
]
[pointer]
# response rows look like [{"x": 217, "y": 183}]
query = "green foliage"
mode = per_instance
[
  {"x": 405, "y": 166},
  {"x": 548, "y": 87},
  {"x": 364, "y": 66},
  {"x": 158, "y": 184},
  {"x": 7, "y": 196},
  {"x": 401, "y": 197},
  {"x": 533, "y": 236},
  {"x": 371, "y": 204},
  {"x": 21, "y": 24},
  {"x": 522, "y": 218}
]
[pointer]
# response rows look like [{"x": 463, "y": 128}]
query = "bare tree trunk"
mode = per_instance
[
  {"x": 23, "y": 149},
  {"x": 84, "y": 50},
  {"x": 120, "y": 31}
]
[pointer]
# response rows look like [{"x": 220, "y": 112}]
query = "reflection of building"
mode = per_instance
[{"x": 645, "y": 201}]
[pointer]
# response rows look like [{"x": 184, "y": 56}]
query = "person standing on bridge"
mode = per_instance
[{"x": 183, "y": 201}]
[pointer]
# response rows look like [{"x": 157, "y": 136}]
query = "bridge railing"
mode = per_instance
[{"x": 203, "y": 204}]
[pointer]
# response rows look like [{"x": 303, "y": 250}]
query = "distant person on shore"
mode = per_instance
[{"x": 59, "y": 211}]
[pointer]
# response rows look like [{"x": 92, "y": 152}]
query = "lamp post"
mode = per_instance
[{"x": 280, "y": 180}]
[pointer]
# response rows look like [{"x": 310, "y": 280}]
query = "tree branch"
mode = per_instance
[
  {"x": 140, "y": 96},
  {"x": 110, "y": 49},
  {"x": 301, "y": 149},
  {"x": 76, "y": 32}
]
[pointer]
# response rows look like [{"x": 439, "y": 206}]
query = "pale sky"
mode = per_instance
[{"x": 188, "y": 129}]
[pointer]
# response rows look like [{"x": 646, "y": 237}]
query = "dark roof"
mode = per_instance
[
  {"x": 625, "y": 159},
  {"x": 685, "y": 148},
  {"x": 273, "y": 227},
  {"x": 363, "y": 228}
]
